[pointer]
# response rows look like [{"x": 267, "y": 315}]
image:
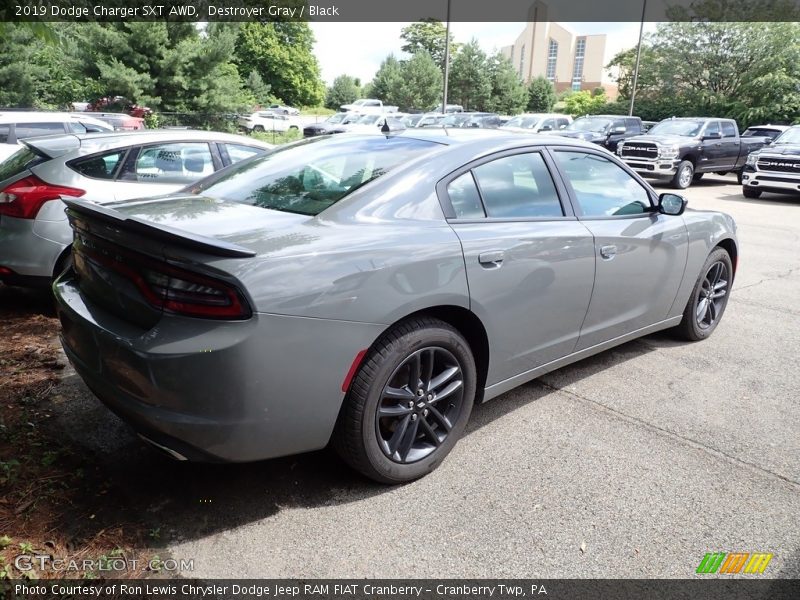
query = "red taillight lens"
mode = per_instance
[
  {"x": 24, "y": 198},
  {"x": 171, "y": 288}
]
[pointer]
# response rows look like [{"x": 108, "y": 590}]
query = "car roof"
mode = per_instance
[
  {"x": 20, "y": 116},
  {"x": 87, "y": 143}
]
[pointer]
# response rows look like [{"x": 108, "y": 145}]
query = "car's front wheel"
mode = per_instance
[
  {"x": 409, "y": 402},
  {"x": 683, "y": 176},
  {"x": 709, "y": 297}
]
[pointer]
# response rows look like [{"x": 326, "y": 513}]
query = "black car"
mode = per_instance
[
  {"x": 604, "y": 130},
  {"x": 333, "y": 124}
]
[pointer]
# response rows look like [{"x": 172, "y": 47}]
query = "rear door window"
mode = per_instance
[
  {"x": 103, "y": 166},
  {"x": 518, "y": 186},
  {"x": 30, "y": 130},
  {"x": 4, "y": 131},
  {"x": 183, "y": 162}
]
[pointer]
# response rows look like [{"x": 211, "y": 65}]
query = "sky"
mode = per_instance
[{"x": 357, "y": 49}]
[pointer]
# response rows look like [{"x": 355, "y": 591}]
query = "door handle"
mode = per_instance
[
  {"x": 608, "y": 252},
  {"x": 491, "y": 259}
]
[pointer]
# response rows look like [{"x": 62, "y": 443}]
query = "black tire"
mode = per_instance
[
  {"x": 739, "y": 177},
  {"x": 697, "y": 323},
  {"x": 360, "y": 437},
  {"x": 293, "y": 127},
  {"x": 750, "y": 192},
  {"x": 259, "y": 128},
  {"x": 683, "y": 176},
  {"x": 697, "y": 177}
]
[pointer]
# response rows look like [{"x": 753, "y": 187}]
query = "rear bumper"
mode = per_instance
[
  {"x": 228, "y": 391},
  {"x": 28, "y": 254}
]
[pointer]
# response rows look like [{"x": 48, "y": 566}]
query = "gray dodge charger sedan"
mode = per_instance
[{"x": 367, "y": 290}]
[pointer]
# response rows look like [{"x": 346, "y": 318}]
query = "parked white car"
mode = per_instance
[
  {"x": 368, "y": 106},
  {"x": 281, "y": 109},
  {"x": 373, "y": 123},
  {"x": 19, "y": 125},
  {"x": 537, "y": 122},
  {"x": 266, "y": 120}
]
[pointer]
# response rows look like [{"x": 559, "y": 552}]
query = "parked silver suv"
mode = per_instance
[{"x": 34, "y": 233}]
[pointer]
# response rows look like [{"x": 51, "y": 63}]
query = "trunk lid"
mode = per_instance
[{"x": 133, "y": 258}]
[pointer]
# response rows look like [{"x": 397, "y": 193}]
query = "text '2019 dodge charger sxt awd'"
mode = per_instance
[{"x": 368, "y": 289}]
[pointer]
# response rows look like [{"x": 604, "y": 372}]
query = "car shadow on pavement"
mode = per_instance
[
  {"x": 767, "y": 199},
  {"x": 127, "y": 481},
  {"x": 20, "y": 302}
]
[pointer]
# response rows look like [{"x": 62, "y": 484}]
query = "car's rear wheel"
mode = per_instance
[
  {"x": 259, "y": 128},
  {"x": 750, "y": 192},
  {"x": 409, "y": 402},
  {"x": 709, "y": 297},
  {"x": 683, "y": 176}
]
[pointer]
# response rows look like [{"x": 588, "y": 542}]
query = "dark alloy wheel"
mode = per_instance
[
  {"x": 419, "y": 404},
  {"x": 709, "y": 297},
  {"x": 409, "y": 402}
]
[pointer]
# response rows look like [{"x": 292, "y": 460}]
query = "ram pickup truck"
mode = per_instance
[
  {"x": 367, "y": 106},
  {"x": 683, "y": 150},
  {"x": 774, "y": 168}
]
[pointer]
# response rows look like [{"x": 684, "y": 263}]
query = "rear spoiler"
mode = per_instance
[
  {"x": 53, "y": 146},
  {"x": 173, "y": 235}
]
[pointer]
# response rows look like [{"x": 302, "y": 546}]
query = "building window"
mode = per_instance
[
  {"x": 521, "y": 59},
  {"x": 552, "y": 55},
  {"x": 577, "y": 69}
]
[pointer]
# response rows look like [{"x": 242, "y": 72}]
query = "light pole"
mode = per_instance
[
  {"x": 638, "y": 58},
  {"x": 446, "y": 60}
]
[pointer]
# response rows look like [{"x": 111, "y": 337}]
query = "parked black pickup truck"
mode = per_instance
[
  {"x": 603, "y": 130},
  {"x": 682, "y": 150},
  {"x": 774, "y": 168}
]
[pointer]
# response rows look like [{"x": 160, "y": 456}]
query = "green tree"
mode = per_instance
[
  {"x": 388, "y": 81},
  {"x": 261, "y": 91},
  {"x": 428, "y": 35},
  {"x": 420, "y": 83},
  {"x": 541, "y": 95},
  {"x": 345, "y": 89},
  {"x": 282, "y": 53},
  {"x": 470, "y": 81},
  {"x": 584, "y": 103},
  {"x": 746, "y": 71},
  {"x": 509, "y": 94}
]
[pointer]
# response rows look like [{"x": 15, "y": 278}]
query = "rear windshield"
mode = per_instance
[
  {"x": 15, "y": 164},
  {"x": 310, "y": 176}
]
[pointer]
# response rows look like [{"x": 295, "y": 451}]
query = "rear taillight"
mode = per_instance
[
  {"x": 171, "y": 288},
  {"x": 24, "y": 198}
]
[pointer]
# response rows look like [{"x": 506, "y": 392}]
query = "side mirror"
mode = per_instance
[
  {"x": 713, "y": 136},
  {"x": 671, "y": 204},
  {"x": 546, "y": 128},
  {"x": 617, "y": 130},
  {"x": 768, "y": 141}
]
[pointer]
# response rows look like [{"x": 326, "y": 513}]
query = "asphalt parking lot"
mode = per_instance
[{"x": 634, "y": 463}]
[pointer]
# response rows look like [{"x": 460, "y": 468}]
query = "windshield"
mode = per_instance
[
  {"x": 309, "y": 176},
  {"x": 524, "y": 122},
  {"x": 589, "y": 124},
  {"x": 676, "y": 127},
  {"x": 790, "y": 136},
  {"x": 337, "y": 118}
]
